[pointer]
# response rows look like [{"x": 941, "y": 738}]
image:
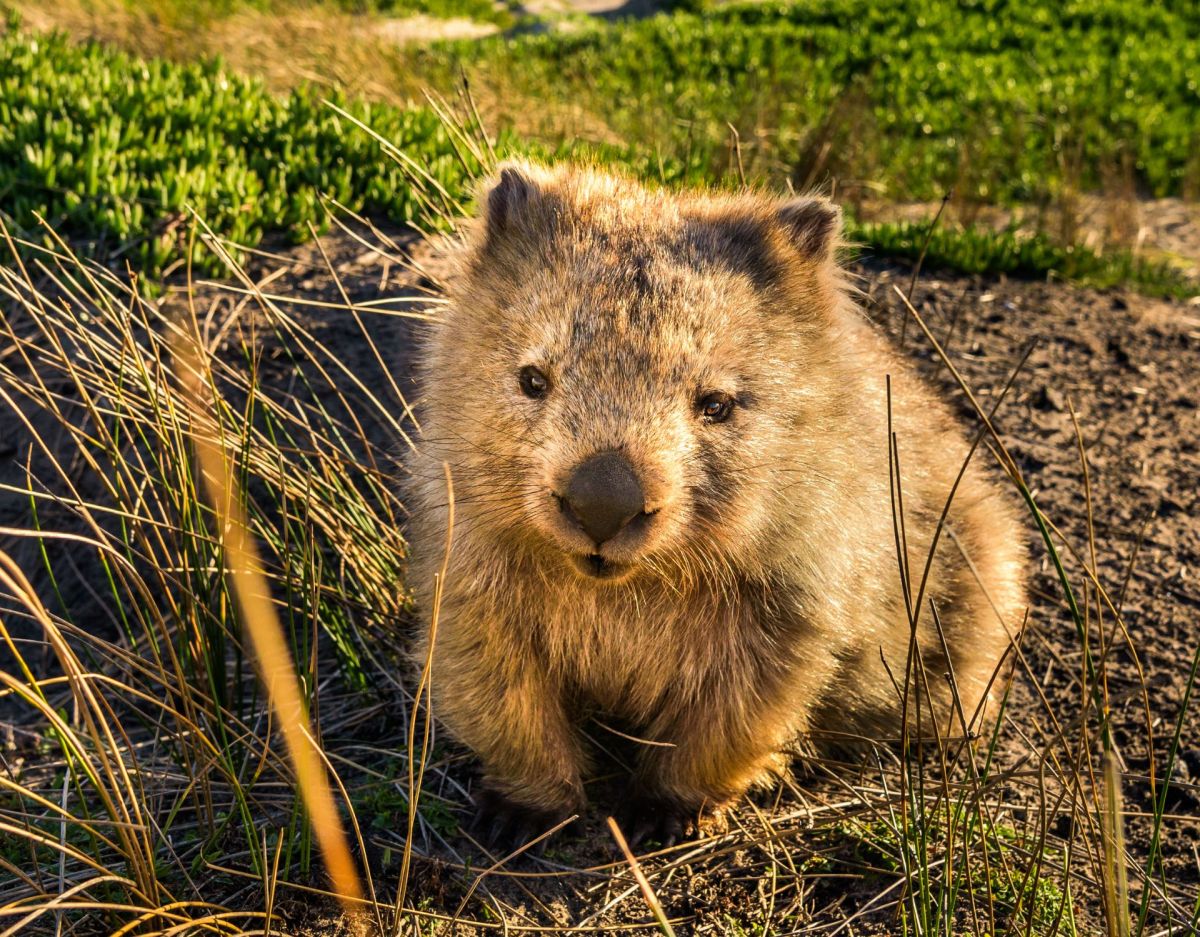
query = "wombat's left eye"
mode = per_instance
[
  {"x": 533, "y": 382},
  {"x": 715, "y": 407}
]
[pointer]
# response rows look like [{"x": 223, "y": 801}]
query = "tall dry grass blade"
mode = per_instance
[
  {"x": 274, "y": 659},
  {"x": 416, "y": 776},
  {"x": 656, "y": 907},
  {"x": 1160, "y": 805},
  {"x": 912, "y": 284},
  {"x": 1116, "y": 877}
]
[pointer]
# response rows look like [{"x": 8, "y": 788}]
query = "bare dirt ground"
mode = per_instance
[{"x": 1130, "y": 369}]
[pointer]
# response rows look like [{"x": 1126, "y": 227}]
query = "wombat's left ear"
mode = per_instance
[
  {"x": 516, "y": 203},
  {"x": 509, "y": 198},
  {"x": 813, "y": 225}
]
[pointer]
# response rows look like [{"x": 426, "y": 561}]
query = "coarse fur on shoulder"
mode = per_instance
[{"x": 667, "y": 424}]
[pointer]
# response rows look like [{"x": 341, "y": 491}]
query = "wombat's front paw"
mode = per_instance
[
  {"x": 658, "y": 819},
  {"x": 502, "y": 823}
]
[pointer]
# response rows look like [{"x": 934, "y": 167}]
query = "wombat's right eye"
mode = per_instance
[{"x": 533, "y": 382}]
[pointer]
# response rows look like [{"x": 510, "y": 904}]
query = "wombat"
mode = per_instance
[{"x": 667, "y": 426}]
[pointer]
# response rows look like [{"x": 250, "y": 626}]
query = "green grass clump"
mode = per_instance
[
  {"x": 885, "y": 849},
  {"x": 979, "y": 250},
  {"x": 1005, "y": 101},
  {"x": 109, "y": 149},
  {"x": 319, "y": 497}
]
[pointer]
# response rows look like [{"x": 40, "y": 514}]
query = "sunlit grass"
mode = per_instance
[{"x": 96, "y": 358}]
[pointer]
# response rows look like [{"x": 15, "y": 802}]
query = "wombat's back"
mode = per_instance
[{"x": 932, "y": 495}]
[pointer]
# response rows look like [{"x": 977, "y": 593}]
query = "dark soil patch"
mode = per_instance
[{"x": 1130, "y": 369}]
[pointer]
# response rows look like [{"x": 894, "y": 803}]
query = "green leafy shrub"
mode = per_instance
[
  {"x": 109, "y": 149},
  {"x": 112, "y": 151},
  {"x": 976, "y": 250}
]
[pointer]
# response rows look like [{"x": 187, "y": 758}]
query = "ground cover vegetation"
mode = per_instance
[
  {"x": 1013, "y": 101},
  {"x": 112, "y": 148}
]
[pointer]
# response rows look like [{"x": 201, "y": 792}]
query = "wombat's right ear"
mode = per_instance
[{"x": 512, "y": 197}]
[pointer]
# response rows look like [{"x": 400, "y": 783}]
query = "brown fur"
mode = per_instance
[{"x": 754, "y": 612}]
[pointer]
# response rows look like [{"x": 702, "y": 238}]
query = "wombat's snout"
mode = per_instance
[{"x": 603, "y": 495}]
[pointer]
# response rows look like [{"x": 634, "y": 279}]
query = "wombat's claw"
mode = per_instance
[
  {"x": 656, "y": 820},
  {"x": 503, "y": 824}
]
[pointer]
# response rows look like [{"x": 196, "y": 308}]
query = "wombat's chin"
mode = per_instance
[{"x": 598, "y": 569}]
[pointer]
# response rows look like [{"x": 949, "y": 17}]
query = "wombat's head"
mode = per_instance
[{"x": 618, "y": 378}]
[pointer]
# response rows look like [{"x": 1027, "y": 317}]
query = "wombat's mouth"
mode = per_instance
[{"x": 595, "y": 566}]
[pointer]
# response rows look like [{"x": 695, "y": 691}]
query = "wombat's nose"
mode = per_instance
[{"x": 603, "y": 495}]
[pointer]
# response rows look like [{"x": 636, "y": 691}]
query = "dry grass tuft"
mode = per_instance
[{"x": 162, "y": 728}]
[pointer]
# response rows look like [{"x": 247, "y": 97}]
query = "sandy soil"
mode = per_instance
[
  {"x": 1162, "y": 229},
  {"x": 421, "y": 28}
]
